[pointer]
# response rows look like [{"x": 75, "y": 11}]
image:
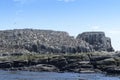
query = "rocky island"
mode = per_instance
[{"x": 48, "y": 50}]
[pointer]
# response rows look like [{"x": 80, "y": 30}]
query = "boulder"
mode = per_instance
[{"x": 43, "y": 67}]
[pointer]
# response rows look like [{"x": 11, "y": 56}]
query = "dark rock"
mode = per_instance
[
  {"x": 85, "y": 64},
  {"x": 16, "y": 54},
  {"x": 99, "y": 58},
  {"x": 73, "y": 67},
  {"x": 105, "y": 64},
  {"x": 36, "y": 68},
  {"x": 5, "y": 64},
  {"x": 112, "y": 70},
  {"x": 19, "y": 63},
  {"x": 43, "y": 67},
  {"x": 67, "y": 63},
  {"x": 4, "y": 54},
  {"x": 59, "y": 62}
]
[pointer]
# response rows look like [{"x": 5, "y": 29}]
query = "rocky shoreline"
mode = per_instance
[
  {"x": 57, "y": 51},
  {"x": 80, "y": 63}
]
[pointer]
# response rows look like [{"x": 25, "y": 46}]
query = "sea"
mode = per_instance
[{"x": 27, "y": 75}]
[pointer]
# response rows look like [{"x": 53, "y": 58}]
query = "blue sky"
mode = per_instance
[{"x": 73, "y": 16}]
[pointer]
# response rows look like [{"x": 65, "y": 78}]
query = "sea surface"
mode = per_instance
[{"x": 26, "y": 75}]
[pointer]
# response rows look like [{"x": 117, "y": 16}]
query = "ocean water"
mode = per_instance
[{"x": 25, "y": 75}]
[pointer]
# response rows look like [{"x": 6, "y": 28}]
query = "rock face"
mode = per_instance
[
  {"x": 48, "y": 41},
  {"x": 108, "y": 62},
  {"x": 98, "y": 40}
]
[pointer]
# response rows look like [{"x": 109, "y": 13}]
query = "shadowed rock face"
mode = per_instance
[
  {"x": 48, "y": 41},
  {"x": 98, "y": 40}
]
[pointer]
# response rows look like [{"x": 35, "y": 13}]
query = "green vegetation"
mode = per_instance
[{"x": 36, "y": 56}]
